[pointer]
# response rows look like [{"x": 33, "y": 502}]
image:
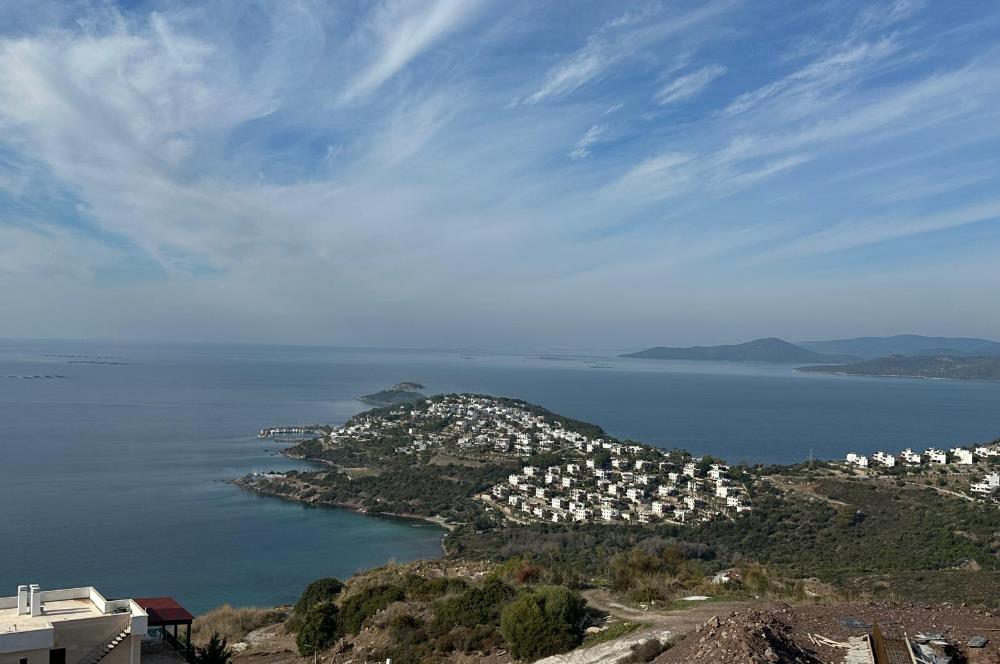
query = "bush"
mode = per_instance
[
  {"x": 320, "y": 590},
  {"x": 475, "y": 606},
  {"x": 543, "y": 621},
  {"x": 362, "y": 605},
  {"x": 319, "y": 628},
  {"x": 216, "y": 651},
  {"x": 421, "y": 588}
]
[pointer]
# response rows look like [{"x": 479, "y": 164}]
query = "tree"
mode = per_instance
[
  {"x": 320, "y": 590},
  {"x": 216, "y": 651},
  {"x": 319, "y": 628},
  {"x": 543, "y": 621},
  {"x": 602, "y": 459}
]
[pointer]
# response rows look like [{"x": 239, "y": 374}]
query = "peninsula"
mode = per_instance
[
  {"x": 405, "y": 392},
  {"x": 902, "y": 366},
  {"x": 543, "y": 509}
]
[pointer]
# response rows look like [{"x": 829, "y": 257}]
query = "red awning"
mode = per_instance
[{"x": 164, "y": 611}]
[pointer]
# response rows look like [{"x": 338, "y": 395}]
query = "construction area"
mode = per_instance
[{"x": 871, "y": 633}]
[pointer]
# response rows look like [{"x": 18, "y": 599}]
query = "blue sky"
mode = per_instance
[{"x": 468, "y": 172}]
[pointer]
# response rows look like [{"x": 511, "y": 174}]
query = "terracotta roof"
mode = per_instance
[{"x": 164, "y": 611}]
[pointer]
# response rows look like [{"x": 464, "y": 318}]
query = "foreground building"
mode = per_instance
[{"x": 69, "y": 626}]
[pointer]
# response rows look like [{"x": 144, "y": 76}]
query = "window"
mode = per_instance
[
  {"x": 23, "y": 660},
  {"x": 57, "y": 656}
]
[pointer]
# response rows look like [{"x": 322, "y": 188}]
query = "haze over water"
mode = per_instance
[{"x": 114, "y": 475}]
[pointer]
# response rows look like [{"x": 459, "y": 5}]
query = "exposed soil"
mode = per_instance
[{"x": 817, "y": 635}]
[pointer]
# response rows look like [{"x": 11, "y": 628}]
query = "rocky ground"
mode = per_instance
[{"x": 822, "y": 634}]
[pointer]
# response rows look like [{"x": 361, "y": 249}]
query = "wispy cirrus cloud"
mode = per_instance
[
  {"x": 615, "y": 41},
  {"x": 594, "y": 135},
  {"x": 689, "y": 85},
  {"x": 358, "y": 166},
  {"x": 843, "y": 65},
  {"x": 400, "y": 32}
]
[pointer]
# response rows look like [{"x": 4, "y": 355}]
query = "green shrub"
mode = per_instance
[
  {"x": 362, "y": 605},
  {"x": 216, "y": 651},
  {"x": 421, "y": 588},
  {"x": 318, "y": 629},
  {"x": 543, "y": 621},
  {"x": 475, "y": 606},
  {"x": 320, "y": 590}
]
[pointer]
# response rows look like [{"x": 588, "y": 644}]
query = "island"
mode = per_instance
[
  {"x": 902, "y": 366},
  {"x": 405, "y": 392},
  {"x": 759, "y": 350}
]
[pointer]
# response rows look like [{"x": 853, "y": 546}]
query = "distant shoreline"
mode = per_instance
[{"x": 440, "y": 522}]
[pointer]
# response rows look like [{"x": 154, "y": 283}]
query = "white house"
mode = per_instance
[
  {"x": 909, "y": 456},
  {"x": 936, "y": 456},
  {"x": 884, "y": 459},
  {"x": 635, "y": 494},
  {"x": 962, "y": 456},
  {"x": 989, "y": 483},
  {"x": 717, "y": 471},
  {"x": 71, "y": 625},
  {"x": 859, "y": 460},
  {"x": 689, "y": 469}
]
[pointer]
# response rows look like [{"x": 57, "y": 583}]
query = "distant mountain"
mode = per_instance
[
  {"x": 957, "y": 368},
  {"x": 759, "y": 350},
  {"x": 911, "y": 345}
]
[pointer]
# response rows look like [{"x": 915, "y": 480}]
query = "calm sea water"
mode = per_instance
[{"x": 114, "y": 475}]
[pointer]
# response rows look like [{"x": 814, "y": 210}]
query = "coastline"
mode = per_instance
[
  {"x": 243, "y": 484},
  {"x": 912, "y": 376}
]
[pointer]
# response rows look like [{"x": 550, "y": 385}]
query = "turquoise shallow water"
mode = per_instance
[{"x": 113, "y": 475}]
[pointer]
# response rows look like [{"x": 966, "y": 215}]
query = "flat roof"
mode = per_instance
[
  {"x": 52, "y": 611},
  {"x": 164, "y": 611}
]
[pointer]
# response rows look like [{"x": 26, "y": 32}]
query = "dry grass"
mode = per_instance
[{"x": 233, "y": 623}]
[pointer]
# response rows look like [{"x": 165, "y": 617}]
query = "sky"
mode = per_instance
[{"x": 442, "y": 173}]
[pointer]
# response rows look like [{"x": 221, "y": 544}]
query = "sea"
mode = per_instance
[{"x": 114, "y": 456}]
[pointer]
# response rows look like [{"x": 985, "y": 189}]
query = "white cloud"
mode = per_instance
[
  {"x": 613, "y": 42},
  {"x": 595, "y": 134},
  {"x": 402, "y": 31},
  {"x": 854, "y": 234},
  {"x": 843, "y": 65},
  {"x": 689, "y": 85}
]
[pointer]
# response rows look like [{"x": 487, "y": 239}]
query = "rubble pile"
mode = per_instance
[
  {"x": 834, "y": 633},
  {"x": 755, "y": 636}
]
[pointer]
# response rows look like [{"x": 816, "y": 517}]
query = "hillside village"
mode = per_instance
[
  {"x": 978, "y": 466},
  {"x": 588, "y": 477}
]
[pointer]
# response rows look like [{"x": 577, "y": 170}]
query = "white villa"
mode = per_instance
[
  {"x": 74, "y": 625},
  {"x": 885, "y": 459},
  {"x": 987, "y": 486},
  {"x": 936, "y": 456},
  {"x": 859, "y": 460},
  {"x": 962, "y": 456}
]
